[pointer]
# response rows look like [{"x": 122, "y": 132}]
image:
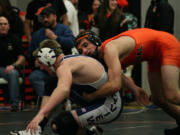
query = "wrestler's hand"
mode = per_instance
[
  {"x": 50, "y": 34},
  {"x": 33, "y": 125},
  {"x": 8, "y": 69},
  {"x": 88, "y": 97},
  {"x": 141, "y": 96}
]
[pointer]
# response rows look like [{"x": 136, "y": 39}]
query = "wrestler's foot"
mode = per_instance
[
  {"x": 174, "y": 131},
  {"x": 23, "y": 132}
]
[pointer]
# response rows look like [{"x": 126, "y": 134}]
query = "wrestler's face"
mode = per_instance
[
  {"x": 85, "y": 47},
  {"x": 44, "y": 67}
]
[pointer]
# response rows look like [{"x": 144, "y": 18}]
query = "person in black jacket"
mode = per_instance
[
  {"x": 11, "y": 57},
  {"x": 160, "y": 16}
]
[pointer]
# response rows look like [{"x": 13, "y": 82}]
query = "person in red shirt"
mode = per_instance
[{"x": 161, "y": 51}]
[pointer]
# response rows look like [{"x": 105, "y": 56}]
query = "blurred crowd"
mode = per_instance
[{"x": 63, "y": 20}]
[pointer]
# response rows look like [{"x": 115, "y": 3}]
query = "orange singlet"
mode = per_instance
[{"x": 158, "y": 48}]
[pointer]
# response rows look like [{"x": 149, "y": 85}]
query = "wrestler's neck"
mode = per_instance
[
  {"x": 100, "y": 53},
  {"x": 58, "y": 61}
]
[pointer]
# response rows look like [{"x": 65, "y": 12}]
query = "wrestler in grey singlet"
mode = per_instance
[{"x": 100, "y": 111}]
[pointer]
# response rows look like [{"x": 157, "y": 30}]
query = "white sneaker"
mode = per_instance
[
  {"x": 23, "y": 132},
  {"x": 96, "y": 130},
  {"x": 68, "y": 105}
]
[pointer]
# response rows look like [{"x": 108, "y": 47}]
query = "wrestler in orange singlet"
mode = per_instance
[{"x": 160, "y": 49}]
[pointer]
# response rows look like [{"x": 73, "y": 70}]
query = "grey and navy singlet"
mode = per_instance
[{"x": 99, "y": 111}]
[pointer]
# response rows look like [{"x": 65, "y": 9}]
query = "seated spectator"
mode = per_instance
[
  {"x": 32, "y": 21},
  {"x": 110, "y": 19},
  {"x": 87, "y": 20},
  {"x": 11, "y": 57},
  {"x": 11, "y": 13},
  {"x": 51, "y": 30}
]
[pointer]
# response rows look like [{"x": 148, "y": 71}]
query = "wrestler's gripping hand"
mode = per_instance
[
  {"x": 141, "y": 96},
  {"x": 33, "y": 125}
]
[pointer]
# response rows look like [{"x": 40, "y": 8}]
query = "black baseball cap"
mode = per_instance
[{"x": 46, "y": 11}]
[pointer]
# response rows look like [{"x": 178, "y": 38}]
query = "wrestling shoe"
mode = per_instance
[
  {"x": 95, "y": 130},
  {"x": 174, "y": 131},
  {"x": 23, "y": 132}
]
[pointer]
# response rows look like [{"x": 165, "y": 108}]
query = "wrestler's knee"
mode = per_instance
[
  {"x": 173, "y": 98},
  {"x": 64, "y": 124},
  {"x": 172, "y": 94},
  {"x": 159, "y": 100}
]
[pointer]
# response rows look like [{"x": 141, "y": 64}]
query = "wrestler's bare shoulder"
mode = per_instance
[
  {"x": 122, "y": 45},
  {"x": 82, "y": 61}
]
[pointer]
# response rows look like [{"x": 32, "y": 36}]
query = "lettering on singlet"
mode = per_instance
[{"x": 139, "y": 55}]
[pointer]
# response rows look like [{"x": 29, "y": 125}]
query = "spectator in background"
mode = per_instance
[
  {"x": 110, "y": 20},
  {"x": 51, "y": 30},
  {"x": 72, "y": 15},
  {"x": 32, "y": 21},
  {"x": 88, "y": 20},
  {"x": 11, "y": 13},
  {"x": 84, "y": 6},
  {"x": 11, "y": 57},
  {"x": 130, "y": 19},
  {"x": 160, "y": 16}
]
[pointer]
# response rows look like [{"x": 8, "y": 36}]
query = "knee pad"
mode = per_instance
[{"x": 65, "y": 124}]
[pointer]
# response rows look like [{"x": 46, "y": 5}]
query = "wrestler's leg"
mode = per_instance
[
  {"x": 101, "y": 112},
  {"x": 170, "y": 80},
  {"x": 159, "y": 97},
  {"x": 156, "y": 82},
  {"x": 50, "y": 85}
]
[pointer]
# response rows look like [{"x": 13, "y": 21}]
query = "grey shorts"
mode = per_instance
[{"x": 102, "y": 112}]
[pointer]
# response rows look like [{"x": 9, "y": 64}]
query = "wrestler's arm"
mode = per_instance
[
  {"x": 59, "y": 94},
  {"x": 129, "y": 84},
  {"x": 111, "y": 59},
  {"x": 140, "y": 94},
  {"x": 62, "y": 90}
]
